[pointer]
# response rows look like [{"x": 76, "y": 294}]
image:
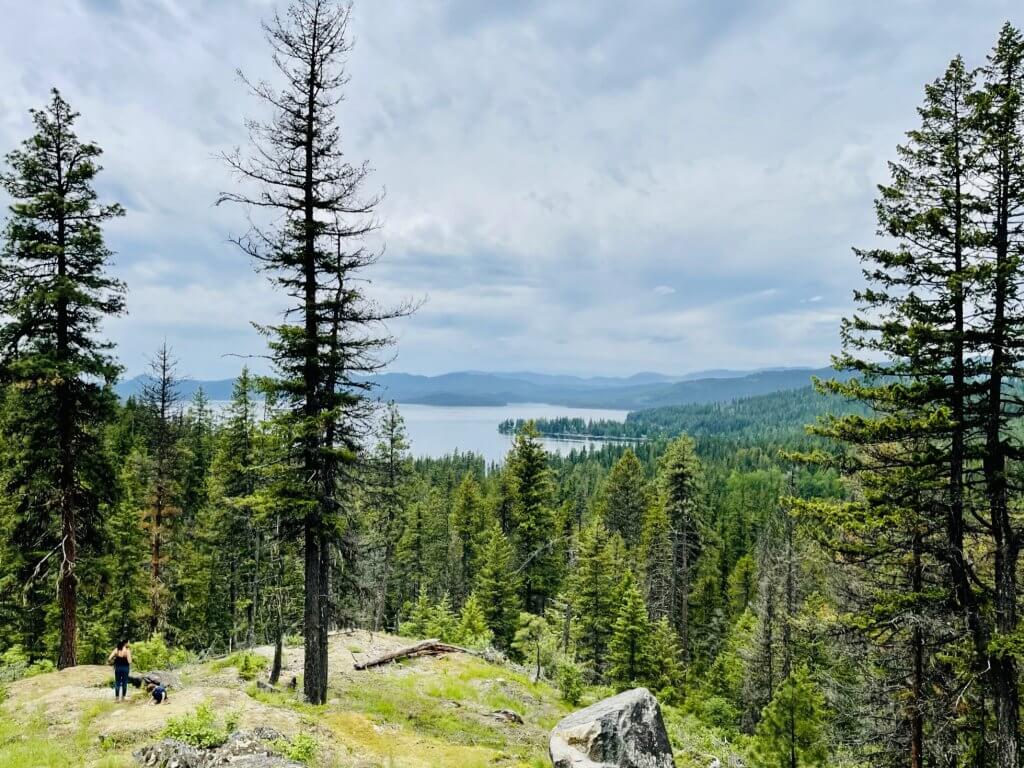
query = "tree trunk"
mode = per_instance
[
  {"x": 1003, "y": 667},
  {"x": 917, "y": 682},
  {"x": 67, "y": 587},
  {"x": 315, "y": 657},
  {"x": 311, "y": 672},
  {"x": 275, "y": 670}
]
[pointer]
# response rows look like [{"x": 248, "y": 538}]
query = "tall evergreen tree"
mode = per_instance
[
  {"x": 54, "y": 294},
  {"x": 656, "y": 560},
  {"x": 666, "y": 669},
  {"x": 680, "y": 478},
  {"x": 469, "y": 530},
  {"x": 1000, "y": 110},
  {"x": 533, "y": 525},
  {"x": 327, "y": 343},
  {"x": 162, "y": 401},
  {"x": 388, "y": 491},
  {"x": 593, "y": 592}
]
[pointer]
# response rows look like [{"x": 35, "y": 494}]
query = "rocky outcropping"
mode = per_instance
[
  {"x": 624, "y": 731},
  {"x": 243, "y": 749}
]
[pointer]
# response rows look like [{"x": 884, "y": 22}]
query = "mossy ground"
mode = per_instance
[
  {"x": 415, "y": 714},
  {"x": 420, "y": 713}
]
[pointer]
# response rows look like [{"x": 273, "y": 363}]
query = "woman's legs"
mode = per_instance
[{"x": 120, "y": 683}]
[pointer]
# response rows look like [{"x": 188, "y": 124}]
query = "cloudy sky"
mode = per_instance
[{"x": 581, "y": 186}]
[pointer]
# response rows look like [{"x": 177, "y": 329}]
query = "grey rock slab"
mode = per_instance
[{"x": 623, "y": 731}]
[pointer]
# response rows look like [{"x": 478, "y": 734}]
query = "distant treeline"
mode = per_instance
[{"x": 776, "y": 415}]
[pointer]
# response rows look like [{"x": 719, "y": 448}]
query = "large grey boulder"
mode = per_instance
[{"x": 624, "y": 731}]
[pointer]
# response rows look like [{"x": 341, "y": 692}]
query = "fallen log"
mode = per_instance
[{"x": 427, "y": 648}]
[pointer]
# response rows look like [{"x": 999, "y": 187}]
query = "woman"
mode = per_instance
[{"x": 122, "y": 658}]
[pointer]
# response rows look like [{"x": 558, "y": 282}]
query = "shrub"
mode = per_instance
[
  {"x": 40, "y": 667},
  {"x": 200, "y": 728},
  {"x": 14, "y": 656},
  {"x": 302, "y": 748},
  {"x": 14, "y": 665},
  {"x": 156, "y": 654},
  {"x": 717, "y": 711},
  {"x": 247, "y": 663},
  {"x": 250, "y": 664},
  {"x": 570, "y": 682}
]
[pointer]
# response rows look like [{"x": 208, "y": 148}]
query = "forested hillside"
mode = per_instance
[
  {"x": 777, "y": 415},
  {"x": 477, "y": 389}
]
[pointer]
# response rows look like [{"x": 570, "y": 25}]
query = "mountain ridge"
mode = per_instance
[{"x": 479, "y": 388}]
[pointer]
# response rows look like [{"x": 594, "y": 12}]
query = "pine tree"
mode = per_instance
[
  {"x": 656, "y": 560},
  {"x": 625, "y": 498},
  {"x": 593, "y": 591},
  {"x": 742, "y": 586},
  {"x": 629, "y": 654},
  {"x": 418, "y": 616},
  {"x": 314, "y": 251},
  {"x": 54, "y": 295},
  {"x": 127, "y": 548},
  {"x": 470, "y": 528},
  {"x": 421, "y": 552},
  {"x": 666, "y": 676},
  {"x": 680, "y": 480},
  {"x": 190, "y": 563},
  {"x": 497, "y": 589},
  {"x": 388, "y": 493},
  {"x": 708, "y": 609},
  {"x": 473, "y": 630},
  {"x": 534, "y": 521},
  {"x": 236, "y": 534},
  {"x": 1000, "y": 113},
  {"x": 529, "y": 640},
  {"x": 791, "y": 733},
  {"x": 197, "y": 447},
  {"x": 162, "y": 402},
  {"x": 919, "y": 364}
]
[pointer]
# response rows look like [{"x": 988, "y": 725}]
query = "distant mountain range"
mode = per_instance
[{"x": 479, "y": 388}]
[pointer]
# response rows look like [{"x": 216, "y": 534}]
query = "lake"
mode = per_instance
[{"x": 435, "y": 430}]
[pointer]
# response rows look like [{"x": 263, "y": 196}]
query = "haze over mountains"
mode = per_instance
[{"x": 480, "y": 388}]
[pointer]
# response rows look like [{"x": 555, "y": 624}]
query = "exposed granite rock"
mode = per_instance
[
  {"x": 243, "y": 749},
  {"x": 624, "y": 731}
]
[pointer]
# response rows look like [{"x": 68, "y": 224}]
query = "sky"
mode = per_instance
[{"x": 571, "y": 186}]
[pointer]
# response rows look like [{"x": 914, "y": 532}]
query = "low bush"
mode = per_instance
[
  {"x": 248, "y": 664},
  {"x": 156, "y": 654},
  {"x": 14, "y": 665},
  {"x": 569, "y": 677},
  {"x": 301, "y": 748},
  {"x": 200, "y": 728}
]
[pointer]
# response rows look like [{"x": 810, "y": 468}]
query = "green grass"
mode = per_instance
[
  {"x": 28, "y": 745},
  {"x": 416, "y": 715}
]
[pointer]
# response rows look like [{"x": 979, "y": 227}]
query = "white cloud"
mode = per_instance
[{"x": 543, "y": 166}]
